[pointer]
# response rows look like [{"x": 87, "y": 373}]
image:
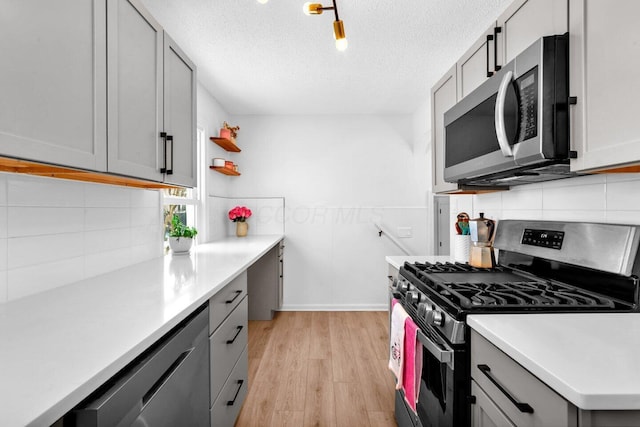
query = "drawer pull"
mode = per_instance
[
  {"x": 522, "y": 407},
  {"x": 238, "y": 293},
  {"x": 232, "y": 402},
  {"x": 235, "y": 336}
]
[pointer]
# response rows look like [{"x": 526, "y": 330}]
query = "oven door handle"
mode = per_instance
[{"x": 443, "y": 356}]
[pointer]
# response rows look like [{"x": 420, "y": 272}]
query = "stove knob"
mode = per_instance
[
  {"x": 423, "y": 309},
  {"x": 404, "y": 286},
  {"x": 437, "y": 318},
  {"x": 414, "y": 297}
]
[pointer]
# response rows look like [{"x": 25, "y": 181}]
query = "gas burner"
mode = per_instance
[
  {"x": 441, "y": 267},
  {"x": 525, "y": 295}
]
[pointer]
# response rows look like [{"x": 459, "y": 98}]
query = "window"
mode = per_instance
[{"x": 185, "y": 202}]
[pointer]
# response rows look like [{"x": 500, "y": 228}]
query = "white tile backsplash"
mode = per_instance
[
  {"x": 37, "y": 220},
  {"x": 3, "y": 287},
  {"x": 3, "y": 254},
  {"x": 26, "y": 190},
  {"x": 4, "y": 229},
  {"x": 107, "y": 196},
  {"x": 610, "y": 198},
  {"x": 3, "y": 189},
  {"x": 34, "y": 250},
  {"x": 144, "y": 198},
  {"x": 54, "y": 232},
  {"x": 107, "y": 218}
]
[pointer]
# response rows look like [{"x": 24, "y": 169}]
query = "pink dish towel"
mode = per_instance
[
  {"x": 396, "y": 342},
  {"x": 412, "y": 364}
]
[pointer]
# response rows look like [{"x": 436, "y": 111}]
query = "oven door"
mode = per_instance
[{"x": 442, "y": 401}]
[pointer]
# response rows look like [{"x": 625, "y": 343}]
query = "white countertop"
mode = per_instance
[
  {"x": 592, "y": 360},
  {"x": 58, "y": 346},
  {"x": 398, "y": 261}
]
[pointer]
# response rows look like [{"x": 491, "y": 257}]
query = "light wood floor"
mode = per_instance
[{"x": 319, "y": 369}]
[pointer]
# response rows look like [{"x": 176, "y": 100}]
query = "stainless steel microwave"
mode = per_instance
[{"x": 514, "y": 128}]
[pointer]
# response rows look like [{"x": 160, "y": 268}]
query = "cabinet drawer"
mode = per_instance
[
  {"x": 226, "y": 344},
  {"x": 225, "y": 409},
  {"x": 223, "y": 303},
  {"x": 489, "y": 365}
]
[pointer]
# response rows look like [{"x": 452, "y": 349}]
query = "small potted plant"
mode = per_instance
[
  {"x": 180, "y": 236},
  {"x": 239, "y": 215}
]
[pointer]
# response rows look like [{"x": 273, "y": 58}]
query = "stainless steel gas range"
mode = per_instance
[{"x": 543, "y": 267}]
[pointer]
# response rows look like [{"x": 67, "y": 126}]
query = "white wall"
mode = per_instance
[
  {"x": 337, "y": 175},
  {"x": 54, "y": 232},
  {"x": 211, "y": 115}
]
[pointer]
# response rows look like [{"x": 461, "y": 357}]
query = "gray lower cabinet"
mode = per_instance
[
  {"x": 229, "y": 375},
  {"x": 265, "y": 284},
  {"x": 512, "y": 395},
  {"x": 506, "y": 394}
]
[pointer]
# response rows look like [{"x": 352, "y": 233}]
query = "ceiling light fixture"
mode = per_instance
[
  {"x": 338, "y": 26},
  {"x": 262, "y": 1}
]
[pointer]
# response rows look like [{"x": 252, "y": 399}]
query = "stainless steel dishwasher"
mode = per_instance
[{"x": 166, "y": 386}]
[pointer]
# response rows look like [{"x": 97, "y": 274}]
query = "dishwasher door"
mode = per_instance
[{"x": 169, "y": 386}]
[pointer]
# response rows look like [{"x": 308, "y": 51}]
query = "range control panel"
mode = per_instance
[{"x": 543, "y": 238}]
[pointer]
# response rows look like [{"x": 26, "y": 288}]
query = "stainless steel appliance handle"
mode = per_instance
[
  {"x": 443, "y": 356},
  {"x": 501, "y": 131}
]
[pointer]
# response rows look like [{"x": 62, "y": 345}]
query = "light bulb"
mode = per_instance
[
  {"x": 339, "y": 35},
  {"x": 262, "y": 1},
  {"x": 341, "y": 44},
  {"x": 312, "y": 8}
]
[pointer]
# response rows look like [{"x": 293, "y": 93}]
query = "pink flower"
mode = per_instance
[{"x": 239, "y": 213}]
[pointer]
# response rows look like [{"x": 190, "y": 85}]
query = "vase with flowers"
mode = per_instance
[{"x": 239, "y": 215}]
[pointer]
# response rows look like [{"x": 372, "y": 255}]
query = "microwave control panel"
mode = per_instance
[{"x": 528, "y": 89}]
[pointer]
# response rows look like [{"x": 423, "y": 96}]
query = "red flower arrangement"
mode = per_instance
[{"x": 239, "y": 214}]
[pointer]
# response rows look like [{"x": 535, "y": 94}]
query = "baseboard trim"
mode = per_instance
[{"x": 334, "y": 307}]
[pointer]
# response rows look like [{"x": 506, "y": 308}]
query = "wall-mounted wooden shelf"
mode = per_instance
[
  {"x": 225, "y": 171},
  {"x": 227, "y": 144}
]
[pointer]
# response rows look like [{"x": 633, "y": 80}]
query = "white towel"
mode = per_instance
[{"x": 396, "y": 342}]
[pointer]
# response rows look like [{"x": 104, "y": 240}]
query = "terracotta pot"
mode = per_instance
[
  {"x": 241, "y": 228},
  {"x": 225, "y": 133}
]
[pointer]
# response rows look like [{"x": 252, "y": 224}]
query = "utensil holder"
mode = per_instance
[{"x": 461, "y": 246}]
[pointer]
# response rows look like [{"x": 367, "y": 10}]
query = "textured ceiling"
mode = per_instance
[{"x": 273, "y": 59}]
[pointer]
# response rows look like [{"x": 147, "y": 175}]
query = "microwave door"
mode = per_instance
[{"x": 471, "y": 143}]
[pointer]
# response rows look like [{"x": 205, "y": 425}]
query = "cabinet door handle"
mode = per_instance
[
  {"x": 522, "y": 407},
  {"x": 170, "y": 170},
  {"x": 163, "y": 135},
  {"x": 232, "y": 402},
  {"x": 238, "y": 293},
  {"x": 231, "y": 341},
  {"x": 496, "y": 31},
  {"x": 489, "y": 38}
]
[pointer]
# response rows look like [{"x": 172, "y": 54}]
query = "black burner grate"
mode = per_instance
[{"x": 525, "y": 294}]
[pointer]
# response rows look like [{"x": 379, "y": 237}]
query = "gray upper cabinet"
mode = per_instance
[
  {"x": 604, "y": 45},
  {"x": 135, "y": 51},
  {"x": 180, "y": 114},
  {"x": 53, "y": 82},
  {"x": 443, "y": 97},
  {"x": 110, "y": 93},
  {"x": 152, "y": 99},
  {"x": 525, "y": 21},
  {"x": 476, "y": 65}
]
